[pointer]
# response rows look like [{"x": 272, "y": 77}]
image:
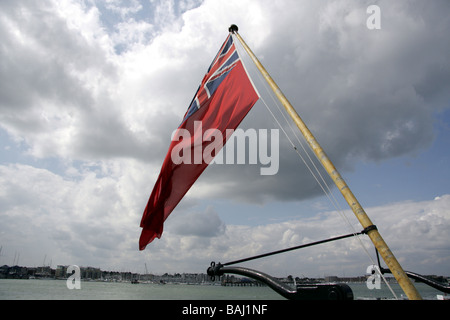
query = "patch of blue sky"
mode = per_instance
[
  {"x": 410, "y": 177},
  {"x": 17, "y": 152},
  {"x": 155, "y": 13},
  {"x": 14, "y": 152}
]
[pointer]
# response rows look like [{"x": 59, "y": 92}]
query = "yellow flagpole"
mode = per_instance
[{"x": 388, "y": 257}]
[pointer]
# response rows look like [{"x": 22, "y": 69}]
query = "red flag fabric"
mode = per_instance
[{"x": 223, "y": 99}]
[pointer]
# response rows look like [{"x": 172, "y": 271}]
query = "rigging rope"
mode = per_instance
[
  {"x": 325, "y": 187},
  {"x": 291, "y": 248},
  {"x": 316, "y": 172}
]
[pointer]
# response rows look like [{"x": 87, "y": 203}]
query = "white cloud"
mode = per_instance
[
  {"x": 409, "y": 228},
  {"x": 94, "y": 220},
  {"x": 45, "y": 213}
]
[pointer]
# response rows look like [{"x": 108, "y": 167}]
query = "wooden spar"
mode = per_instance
[{"x": 388, "y": 257}]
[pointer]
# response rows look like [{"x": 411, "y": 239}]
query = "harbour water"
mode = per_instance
[{"x": 12, "y": 289}]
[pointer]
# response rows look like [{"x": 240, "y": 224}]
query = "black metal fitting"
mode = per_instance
[
  {"x": 233, "y": 28},
  {"x": 369, "y": 228}
]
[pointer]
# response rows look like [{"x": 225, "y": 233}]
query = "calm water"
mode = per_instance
[{"x": 57, "y": 290}]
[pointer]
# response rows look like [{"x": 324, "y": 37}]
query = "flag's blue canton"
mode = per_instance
[
  {"x": 219, "y": 69},
  {"x": 221, "y": 74},
  {"x": 222, "y": 52}
]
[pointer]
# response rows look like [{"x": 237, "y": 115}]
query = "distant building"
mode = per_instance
[
  {"x": 91, "y": 273},
  {"x": 61, "y": 272},
  {"x": 331, "y": 279},
  {"x": 14, "y": 272}
]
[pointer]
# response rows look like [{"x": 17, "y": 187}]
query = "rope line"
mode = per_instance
[
  {"x": 290, "y": 249},
  {"x": 315, "y": 173}
]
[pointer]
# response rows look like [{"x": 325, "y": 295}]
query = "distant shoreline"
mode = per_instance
[{"x": 96, "y": 274}]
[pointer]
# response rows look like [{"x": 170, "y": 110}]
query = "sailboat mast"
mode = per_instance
[{"x": 357, "y": 209}]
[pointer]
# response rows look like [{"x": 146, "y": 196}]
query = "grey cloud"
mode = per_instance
[
  {"x": 366, "y": 95},
  {"x": 201, "y": 224},
  {"x": 66, "y": 93},
  {"x": 39, "y": 55}
]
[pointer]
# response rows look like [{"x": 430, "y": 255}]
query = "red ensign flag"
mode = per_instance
[{"x": 223, "y": 99}]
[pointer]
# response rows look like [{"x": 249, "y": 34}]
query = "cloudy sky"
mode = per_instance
[{"x": 90, "y": 92}]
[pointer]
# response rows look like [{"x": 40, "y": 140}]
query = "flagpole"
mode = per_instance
[{"x": 388, "y": 257}]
